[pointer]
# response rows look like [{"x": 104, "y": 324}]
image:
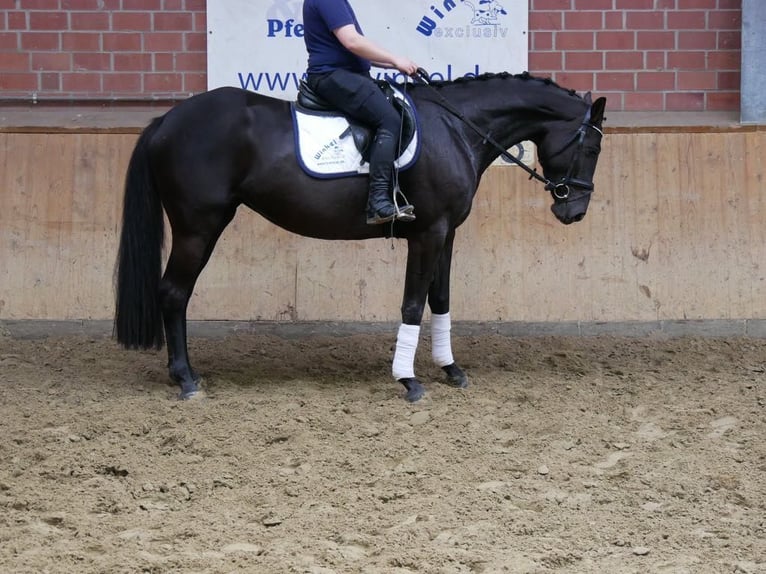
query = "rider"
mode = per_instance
[{"x": 339, "y": 71}]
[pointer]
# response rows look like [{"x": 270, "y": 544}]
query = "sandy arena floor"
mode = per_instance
[{"x": 602, "y": 455}]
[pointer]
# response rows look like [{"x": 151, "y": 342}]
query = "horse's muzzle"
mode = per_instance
[{"x": 571, "y": 210}]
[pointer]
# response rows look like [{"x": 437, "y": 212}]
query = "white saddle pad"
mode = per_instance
[{"x": 326, "y": 147}]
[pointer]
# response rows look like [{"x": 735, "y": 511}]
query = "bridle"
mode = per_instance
[{"x": 559, "y": 189}]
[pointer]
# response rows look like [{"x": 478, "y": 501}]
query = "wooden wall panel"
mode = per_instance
[
  {"x": 60, "y": 198},
  {"x": 675, "y": 231}
]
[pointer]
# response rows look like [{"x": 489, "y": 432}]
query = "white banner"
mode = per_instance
[{"x": 258, "y": 45}]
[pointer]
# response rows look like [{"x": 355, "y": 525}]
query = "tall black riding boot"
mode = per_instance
[{"x": 380, "y": 204}]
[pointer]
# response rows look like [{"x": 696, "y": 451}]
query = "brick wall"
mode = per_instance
[
  {"x": 102, "y": 49},
  {"x": 642, "y": 54}
]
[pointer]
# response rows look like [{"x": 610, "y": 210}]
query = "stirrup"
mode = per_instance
[
  {"x": 406, "y": 212},
  {"x": 376, "y": 219}
]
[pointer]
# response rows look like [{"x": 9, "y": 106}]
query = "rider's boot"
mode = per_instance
[{"x": 380, "y": 204}]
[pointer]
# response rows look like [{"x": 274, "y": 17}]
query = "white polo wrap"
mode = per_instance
[
  {"x": 404, "y": 357},
  {"x": 441, "y": 345}
]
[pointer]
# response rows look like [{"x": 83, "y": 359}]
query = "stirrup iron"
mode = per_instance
[{"x": 405, "y": 213}]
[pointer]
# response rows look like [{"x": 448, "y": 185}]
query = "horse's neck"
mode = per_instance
[{"x": 510, "y": 110}]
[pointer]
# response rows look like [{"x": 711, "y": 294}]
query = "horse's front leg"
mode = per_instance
[
  {"x": 422, "y": 255},
  {"x": 441, "y": 323}
]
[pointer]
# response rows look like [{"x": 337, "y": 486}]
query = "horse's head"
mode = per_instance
[{"x": 568, "y": 155}]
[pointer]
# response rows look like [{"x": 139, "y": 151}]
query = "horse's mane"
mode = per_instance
[{"x": 525, "y": 76}]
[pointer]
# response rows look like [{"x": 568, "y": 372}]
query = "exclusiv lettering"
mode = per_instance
[{"x": 485, "y": 15}]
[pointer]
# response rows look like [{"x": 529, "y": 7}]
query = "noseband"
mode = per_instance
[{"x": 559, "y": 189}]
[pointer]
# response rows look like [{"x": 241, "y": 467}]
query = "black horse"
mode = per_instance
[{"x": 227, "y": 147}]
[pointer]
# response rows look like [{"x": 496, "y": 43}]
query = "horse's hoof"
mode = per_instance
[
  {"x": 192, "y": 391},
  {"x": 415, "y": 391},
  {"x": 455, "y": 376},
  {"x": 197, "y": 395}
]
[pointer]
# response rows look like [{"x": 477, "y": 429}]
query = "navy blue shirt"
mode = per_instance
[{"x": 326, "y": 53}]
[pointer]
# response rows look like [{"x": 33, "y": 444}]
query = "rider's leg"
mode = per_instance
[
  {"x": 359, "y": 97},
  {"x": 380, "y": 205}
]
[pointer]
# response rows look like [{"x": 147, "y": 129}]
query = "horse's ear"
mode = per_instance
[
  {"x": 597, "y": 110},
  {"x": 587, "y": 98}
]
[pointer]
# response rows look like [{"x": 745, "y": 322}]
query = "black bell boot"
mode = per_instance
[{"x": 380, "y": 204}]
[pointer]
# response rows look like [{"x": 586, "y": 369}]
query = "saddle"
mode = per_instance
[{"x": 309, "y": 100}]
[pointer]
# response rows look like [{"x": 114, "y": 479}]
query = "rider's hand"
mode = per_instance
[{"x": 406, "y": 66}]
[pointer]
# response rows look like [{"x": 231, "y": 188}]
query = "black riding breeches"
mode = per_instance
[{"x": 357, "y": 96}]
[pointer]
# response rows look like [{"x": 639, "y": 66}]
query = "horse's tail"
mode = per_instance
[{"x": 138, "y": 317}]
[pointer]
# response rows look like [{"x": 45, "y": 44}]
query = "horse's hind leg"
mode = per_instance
[
  {"x": 441, "y": 325},
  {"x": 190, "y": 252}
]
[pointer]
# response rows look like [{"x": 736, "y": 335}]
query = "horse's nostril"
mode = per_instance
[{"x": 578, "y": 217}]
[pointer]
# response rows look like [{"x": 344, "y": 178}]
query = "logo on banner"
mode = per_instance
[
  {"x": 284, "y": 19},
  {"x": 481, "y": 22}
]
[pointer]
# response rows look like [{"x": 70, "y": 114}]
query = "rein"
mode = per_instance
[{"x": 560, "y": 189}]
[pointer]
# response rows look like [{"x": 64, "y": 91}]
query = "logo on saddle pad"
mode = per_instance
[{"x": 329, "y": 145}]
